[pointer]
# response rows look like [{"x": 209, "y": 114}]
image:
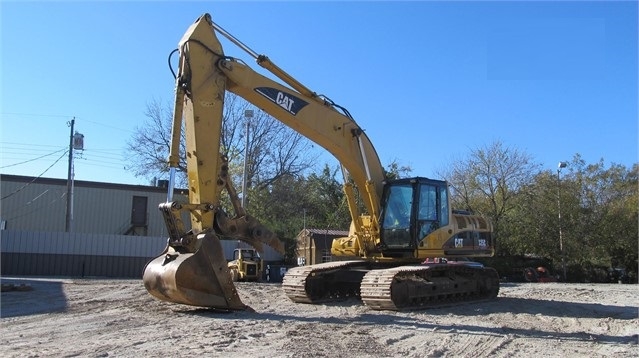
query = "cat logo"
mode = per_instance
[
  {"x": 283, "y": 101},
  {"x": 287, "y": 101}
]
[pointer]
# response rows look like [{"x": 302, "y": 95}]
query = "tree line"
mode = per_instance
[{"x": 595, "y": 206}]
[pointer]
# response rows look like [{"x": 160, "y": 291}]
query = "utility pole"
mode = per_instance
[
  {"x": 75, "y": 142},
  {"x": 67, "y": 226}
]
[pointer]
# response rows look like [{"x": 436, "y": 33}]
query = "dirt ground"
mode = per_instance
[{"x": 117, "y": 318}]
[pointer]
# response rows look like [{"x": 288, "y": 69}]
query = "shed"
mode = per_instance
[{"x": 313, "y": 246}]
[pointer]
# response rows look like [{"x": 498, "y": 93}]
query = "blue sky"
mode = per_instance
[{"x": 428, "y": 81}]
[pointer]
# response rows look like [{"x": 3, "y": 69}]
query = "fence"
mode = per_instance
[{"x": 80, "y": 255}]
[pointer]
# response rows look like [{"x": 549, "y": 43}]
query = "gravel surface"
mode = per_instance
[{"x": 118, "y": 318}]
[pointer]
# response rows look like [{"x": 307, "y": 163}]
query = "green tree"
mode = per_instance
[
  {"x": 532, "y": 224},
  {"x": 326, "y": 201},
  {"x": 290, "y": 203},
  {"x": 396, "y": 170},
  {"x": 601, "y": 215},
  {"x": 599, "y": 211},
  {"x": 280, "y": 206}
]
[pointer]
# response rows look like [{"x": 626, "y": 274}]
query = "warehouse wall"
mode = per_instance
[
  {"x": 40, "y": 204},
  {"x": 77, "y": 254}
]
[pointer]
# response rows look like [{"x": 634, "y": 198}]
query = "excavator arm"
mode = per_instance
[{"x": 318, "y": 119}]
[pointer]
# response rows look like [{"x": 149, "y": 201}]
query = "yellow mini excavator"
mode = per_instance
[{"x": 407, "y": 249}]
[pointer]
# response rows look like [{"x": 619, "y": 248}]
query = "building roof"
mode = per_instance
[
  {"x": 322, "y": 238},
  {"x": 328, "y": 232},
  {"x": 83, "y": 183}
]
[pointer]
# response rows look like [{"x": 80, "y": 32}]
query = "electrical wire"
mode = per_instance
[
  {"x": 36, "y": 178},
  {"x": 34, "y": 159},
  {"x": 36, "y": 114},
  {"x": 108, "y": 126},
  {"x": 37, "y": 208},
  {"x": 104, "y": 155},
  {"x": 29, "y": 145}
]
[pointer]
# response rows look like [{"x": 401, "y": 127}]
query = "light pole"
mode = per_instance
[
  {"x": 560, "y": 166},
  {"x": 248, "y": 114}
]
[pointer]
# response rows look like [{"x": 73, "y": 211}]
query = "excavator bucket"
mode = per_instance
[{"x": 200, "y": 279}]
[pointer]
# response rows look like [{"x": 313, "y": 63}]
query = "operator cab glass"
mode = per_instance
[
  {"x": 245, "y": 254},
  {"x": 411, "y": 209}
]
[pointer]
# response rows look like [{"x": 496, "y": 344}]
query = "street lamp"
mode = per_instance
[
  {"x": 248, "y": 114},
  {"x": 560, "y": 166}
]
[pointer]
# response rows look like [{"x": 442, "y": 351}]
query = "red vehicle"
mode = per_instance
[{"x": 540, "y": 274}]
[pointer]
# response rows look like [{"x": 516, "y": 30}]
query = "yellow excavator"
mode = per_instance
[{"x": 406, "y": 249}]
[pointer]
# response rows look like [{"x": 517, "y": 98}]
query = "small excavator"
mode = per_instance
[{"x": 406, "y": 248}]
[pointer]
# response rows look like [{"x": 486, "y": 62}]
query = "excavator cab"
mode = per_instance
[
  {"x": 417, "y": 222},
  {"x": 412, "y": 208}
]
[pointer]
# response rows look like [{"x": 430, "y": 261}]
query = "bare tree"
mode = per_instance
[
  {"x": 148, "y": 148},
  {"x": 274, "y": 149},
  {"x": 488, "y": 179}
]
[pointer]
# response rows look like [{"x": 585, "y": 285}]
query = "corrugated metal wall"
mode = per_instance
[
  {"x": 78, "y": 254},
  {"x": 40, "y": 205}
]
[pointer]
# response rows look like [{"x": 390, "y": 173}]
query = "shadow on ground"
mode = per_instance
[{"x": 43, "y": 296}]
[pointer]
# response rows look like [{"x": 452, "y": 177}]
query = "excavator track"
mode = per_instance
[
  {"x": 428, "y": 286},
  {"x": 324, "y": 282},
  {"x": 396, "y": 288}
]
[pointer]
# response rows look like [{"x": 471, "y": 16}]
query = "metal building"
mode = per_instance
[
  {"x": 116, "y": 228},
  {"x": 39, "y": 204}
]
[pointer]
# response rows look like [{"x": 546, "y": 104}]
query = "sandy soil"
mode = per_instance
[{"x": 107, "y": 318}]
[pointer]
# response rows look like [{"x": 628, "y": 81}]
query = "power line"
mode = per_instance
[
  {"x": 31, "y": 160},
  {"x": 37, "y": 208},
  {"x": 26, "y": 151},
  {"x": 65, "y": 116},
  {"x": 36, "y": 178},
  {"x": 109, "y": 126},
  {"x": 29, "y": 145},
  {"x": 103, "y": 150},
  {"x": 106, "y": 156},
  {"x": 36, "y": 115},
  {"x": 105, "y": 166},
  {"x": 105, "y": 160}
]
